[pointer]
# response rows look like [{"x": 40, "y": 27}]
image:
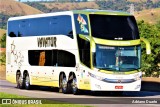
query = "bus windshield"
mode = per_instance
[
  {"x": 113, "y": 27},
  {"x": 117, "y": 58}
]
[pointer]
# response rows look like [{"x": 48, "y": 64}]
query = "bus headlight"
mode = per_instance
[
  {"x": 95, "y": 76},
  {"x": 138, "y": 87},
  {"x": 137, "y": 77}
]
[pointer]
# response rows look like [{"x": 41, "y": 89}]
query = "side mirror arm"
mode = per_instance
[{"x": 148, "y": 46}]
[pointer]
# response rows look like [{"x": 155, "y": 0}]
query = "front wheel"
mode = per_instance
[
  {"x": 27, "y": 82},
  {"x": 75, "y": 89}
]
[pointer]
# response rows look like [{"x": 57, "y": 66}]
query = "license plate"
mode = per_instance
[{"x": 118, "y": 87}]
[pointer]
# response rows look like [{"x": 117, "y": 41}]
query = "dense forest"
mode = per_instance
[
  {"x": 124, "y": 5},
  {"x": 150, "y": 63}
]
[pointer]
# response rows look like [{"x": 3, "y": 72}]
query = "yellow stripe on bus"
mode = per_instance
[{"x": 116, "y": 42}]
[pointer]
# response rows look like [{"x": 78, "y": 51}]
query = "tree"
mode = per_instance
[
  {"x": 150, "y": 62},
  {"x": 3, "y": 41}
]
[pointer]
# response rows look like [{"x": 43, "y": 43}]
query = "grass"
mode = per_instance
[
  {"x": 2, "y": 72},
  {"x": 5, "y": 95},
  {"x": 49, "y": 103},
  {"x": 151, "y": 16}
]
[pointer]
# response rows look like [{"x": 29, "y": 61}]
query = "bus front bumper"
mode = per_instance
[{"x": 98, "y": 85}]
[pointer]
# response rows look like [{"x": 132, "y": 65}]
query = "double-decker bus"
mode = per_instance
[{"x": 95, "y": 50}]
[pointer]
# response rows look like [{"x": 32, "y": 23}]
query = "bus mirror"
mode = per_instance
[{"x": 148, "y": 46}]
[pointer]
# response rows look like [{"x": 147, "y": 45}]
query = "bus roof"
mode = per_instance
[
  {"x": 105, "y": 12},
  {"x": 41, "y": 15},
  {"x": 86, "y": 11}
]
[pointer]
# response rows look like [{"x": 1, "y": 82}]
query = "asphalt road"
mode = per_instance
[{"x": 87, "y": 98}]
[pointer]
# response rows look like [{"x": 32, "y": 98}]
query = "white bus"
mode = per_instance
[{"x": 75, "y": 50}]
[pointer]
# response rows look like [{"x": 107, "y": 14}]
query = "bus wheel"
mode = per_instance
[
  {"x": 75, "y": 90},
  {"x": 63, "y": 84},
  {"x": 27, "y": 82},
  {"x": 19, "y": 80}
]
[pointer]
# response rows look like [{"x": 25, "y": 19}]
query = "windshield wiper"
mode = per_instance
[
  {"x": 106, "y": 68},
  {"x": 128, "y": 68}
]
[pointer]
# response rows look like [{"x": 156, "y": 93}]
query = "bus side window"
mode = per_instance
[
  {"x": 42, "y": 59},
  {"x": 11, "y": 34},
  {"x": 65, "y": 59},
  {"x": 19, "y": 34},
  {"x": 33, "y": 57},
  {"x": 13, "y": 28},
  {"x": 50, "y": 58},
  {"x": 81, "y": 24},
  {"x": 70, "y": 34},
  {"x": 54, "y": 58},
  {"x": 84, "y": 51},
  {"x": 60, "y": 25}
]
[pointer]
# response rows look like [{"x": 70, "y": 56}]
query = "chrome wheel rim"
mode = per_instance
[
  {"x": 64, "y": 84},
  {"x": 27, "y": 82},
  {"x": 20, "y": 80},
  {"x": 74, "y": 85}
]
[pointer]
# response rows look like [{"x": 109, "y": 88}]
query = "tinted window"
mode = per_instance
[
  {"x": 13, "y": 28},
  {"x": 54, "y": 25},
  {"x": 84, "y": 51},
  {"x": 40, "y": 57},
  {"x": 81, "y": 23},
  {"x": 23, "y": 28},
  {"x": 114, "y": 27},
  {"x": 65, "y": 59},
  {"x": 51, "y": 58}
]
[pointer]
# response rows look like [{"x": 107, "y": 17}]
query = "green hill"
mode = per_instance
[
  {"x": 151, "y": 16},
  {"x": 11, "y": 7}
]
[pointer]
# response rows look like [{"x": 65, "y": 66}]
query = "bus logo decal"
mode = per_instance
[
  {"x": 82, "y": 23},
  {"x": 46, "y": 41},
  {"x": 18, "y": 57}
]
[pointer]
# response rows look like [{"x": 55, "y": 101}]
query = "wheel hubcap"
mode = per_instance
[
  {"x": 74, "y": 85},
  {"x": 27, "y": 81},
  {"x": 64, "y": 84},
  {"x": 20, "y": 80}
]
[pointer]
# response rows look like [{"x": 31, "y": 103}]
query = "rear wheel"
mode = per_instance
[
  {"x": 27, "y": 82},
  {"x": 19, "y": 80},
  {"x": 63, "y": 84}
]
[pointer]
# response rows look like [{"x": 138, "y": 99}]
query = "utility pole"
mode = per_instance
[{"x": 132, "y": 9}]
